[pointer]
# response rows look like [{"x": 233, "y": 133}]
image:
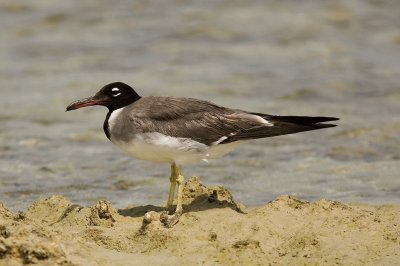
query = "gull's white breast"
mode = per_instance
[{"x": 157, "y": 147}]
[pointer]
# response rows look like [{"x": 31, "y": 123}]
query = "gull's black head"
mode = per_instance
[{"x": 113, "y": 96}]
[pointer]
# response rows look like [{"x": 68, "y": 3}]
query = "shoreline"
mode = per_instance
[{"x": 214, "y": 230}]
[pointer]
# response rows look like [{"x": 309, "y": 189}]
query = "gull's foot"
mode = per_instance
[{"x": 169, "y": 220}]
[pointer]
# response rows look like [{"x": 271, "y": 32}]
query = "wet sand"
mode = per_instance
[{"x": 214, "y": 230}]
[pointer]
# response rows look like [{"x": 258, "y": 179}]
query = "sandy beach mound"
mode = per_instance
[{"x": 214, "y": 230}]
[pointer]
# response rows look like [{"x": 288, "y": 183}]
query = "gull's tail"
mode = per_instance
[
  {"x": 313, "y": 121},
  {"x": 282, "y": 125}
]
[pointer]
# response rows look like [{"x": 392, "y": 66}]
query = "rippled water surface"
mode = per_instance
[{"x": 334, "y": 58}]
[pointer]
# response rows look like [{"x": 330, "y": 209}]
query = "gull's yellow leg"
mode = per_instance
[
  {"x": 174, "y": 175},
  {"x": 180, "y": 180},
  {"x": 170, "y": 220}
]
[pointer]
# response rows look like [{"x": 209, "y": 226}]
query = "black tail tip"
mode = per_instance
[
  {"x": 305, "y": 120},
  {"x": 322, "y": 125}
]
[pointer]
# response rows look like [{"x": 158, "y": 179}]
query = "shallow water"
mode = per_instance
[{"x": 333, "y": 58}]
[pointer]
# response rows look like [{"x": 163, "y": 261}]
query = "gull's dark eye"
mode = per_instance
[{"x": 115, "y": 92}]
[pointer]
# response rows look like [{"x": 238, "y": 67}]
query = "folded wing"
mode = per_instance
[{"x": 211, "y": 124}]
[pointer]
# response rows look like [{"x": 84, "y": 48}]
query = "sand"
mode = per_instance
[{"x": 214, "y": 230}]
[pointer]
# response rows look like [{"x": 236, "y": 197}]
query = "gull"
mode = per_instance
[{"x": 181, "y": 131}]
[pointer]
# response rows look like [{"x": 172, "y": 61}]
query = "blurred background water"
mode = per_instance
[{"x": 286, "y": 57}]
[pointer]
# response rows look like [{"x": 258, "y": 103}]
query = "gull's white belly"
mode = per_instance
[{"x": 157, "y": 147}]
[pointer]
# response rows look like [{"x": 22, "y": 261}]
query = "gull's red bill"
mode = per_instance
[{"x": 82, "y": 103}]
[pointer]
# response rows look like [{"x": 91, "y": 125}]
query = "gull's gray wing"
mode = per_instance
[{"x": 211, "y": 124}]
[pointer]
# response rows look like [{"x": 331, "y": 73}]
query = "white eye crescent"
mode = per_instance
[{"x": 116, "y": 90}]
